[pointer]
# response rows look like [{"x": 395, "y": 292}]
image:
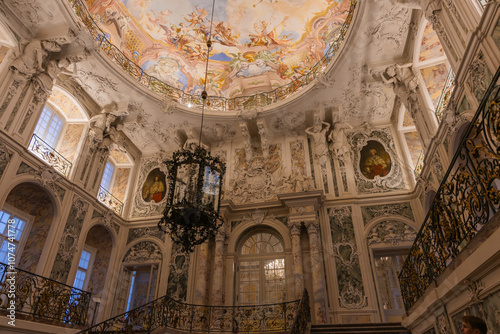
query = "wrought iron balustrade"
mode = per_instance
[
  {"x": 216, "y": 103},
  {"x": 165, "y": 312},
  {"x": 467, "y": 198},
  {"x": 110, "y": 201},
  {"x": 42, "y": 298},
  {"x": 445, "y": 95},
  {"x": 303, "y": 316},
  {"x": 48, "y": 154}
]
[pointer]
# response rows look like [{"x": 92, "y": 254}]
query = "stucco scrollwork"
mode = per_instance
[
  {"x": 474, "y": 288},
  {"x": 33, "y": 13},
  {"x": 290, "y": 121},
  {"x": 394, "y": 179},
  {"x": 49, "y": 177},
  {"x": 391, "y": 232},
  {"x": 68, "y": 244},
  {"x": 352, "y": 298},
  {"x": 345, "y": 252},
  {"x": 5, "y": 153},
  {"x": 144, "y": 251},
  {"x": 391, "y": 30}
]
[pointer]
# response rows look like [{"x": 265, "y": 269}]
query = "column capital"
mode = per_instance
[
  {"x": 312, "y": 226},
  {"x": 295, "y": 227}
]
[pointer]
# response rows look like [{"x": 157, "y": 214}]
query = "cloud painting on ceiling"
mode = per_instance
[{"x": 259, "y": 45}]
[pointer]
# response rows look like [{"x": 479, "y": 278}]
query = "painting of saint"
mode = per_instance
[
  {"x": 375, "y": 161},
  {"x": 154, "y": 188}
]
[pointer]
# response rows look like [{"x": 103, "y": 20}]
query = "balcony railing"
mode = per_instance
[
  {"x": 164, "y": 312},
  {"x": 467, "y": 198},
  {"x": 48, "y": 154},
  {"x": 445, "y": 95},
  {"x": 42, "y": 298},
  {"x": 110, "y": 201},
  {"x": 216, "y": 103}
]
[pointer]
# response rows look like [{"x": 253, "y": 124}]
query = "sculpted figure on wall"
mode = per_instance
[
  {"x": 299, "y": 181},
  {"x": 103, "y": 126},
  {"x": 404, "y": 83},
  {"x": 318, "y": 132},
  {"x": 34, "y": 56},
  {"x": 339, "y": 145}
]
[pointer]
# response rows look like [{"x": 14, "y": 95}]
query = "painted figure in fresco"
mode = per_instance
[
  {"x": 375, "y": 165},
  {"x": 155, "y": 191}
]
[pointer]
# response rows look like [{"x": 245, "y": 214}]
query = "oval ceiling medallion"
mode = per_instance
[{"x": 263, "y": 50}]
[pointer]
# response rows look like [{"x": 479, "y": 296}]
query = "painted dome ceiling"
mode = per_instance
[{"x": 258, "y": 45}]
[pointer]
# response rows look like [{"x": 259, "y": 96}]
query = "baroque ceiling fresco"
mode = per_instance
[{"x": 258, "y": 45}]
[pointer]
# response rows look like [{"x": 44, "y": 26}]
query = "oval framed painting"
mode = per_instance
[
  {"x": 374, "y": 160},
  {"x": 154, "y": 189}
]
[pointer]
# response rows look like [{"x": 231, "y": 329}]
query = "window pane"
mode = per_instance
[
  {"x": 43, "y": 121},
  {"x": 84, "y": 260},
  {"x": 107, "y": 176},
  {"x": 79, "y": 279},
  {"x": 262, "y": 243},
  {"x": 54, "y": 130},
  {"x": 4, "y": 218},
  {"x": 4, "y": 252}
]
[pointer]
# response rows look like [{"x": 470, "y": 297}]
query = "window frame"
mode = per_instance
[
  {"x": 88, "y": 272},
  {"x": 29, "y": 219},
  {"x": 55, "y": 111},
  {"x": 261, "y": 259}
]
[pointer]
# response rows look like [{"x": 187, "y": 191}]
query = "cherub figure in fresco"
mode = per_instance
[
  {"x": 224, "y": 35},
  {"x": 196, "y": 17}
]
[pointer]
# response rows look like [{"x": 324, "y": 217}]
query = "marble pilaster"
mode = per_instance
[
  {"x": 218, "y": 274},
  {"x": 200, "y": 290},
  {"x": 298, "y": 269},
  {"x": 319, "y": 286}
]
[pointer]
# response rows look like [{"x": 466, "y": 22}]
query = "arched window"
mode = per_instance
[
  {"x": 59, "y": 132},
  {"x": 261, "y": 270},
  {"x": 114, "y": 183}
]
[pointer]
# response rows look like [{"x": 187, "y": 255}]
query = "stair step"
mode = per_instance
[{"x": 385, "y": 328}]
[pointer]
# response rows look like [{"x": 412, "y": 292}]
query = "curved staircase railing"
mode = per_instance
[
  {"x": 164, "y": 312},
  {"x": 468, "y": 197},
  {"x": 38, "y": 297}
]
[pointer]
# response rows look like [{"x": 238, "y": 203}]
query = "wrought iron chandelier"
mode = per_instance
[{"x": 194, "y": 188}]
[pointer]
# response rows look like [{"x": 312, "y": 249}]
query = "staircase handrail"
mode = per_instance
[
  {"x": 466, "y": 200},
  {"x": 42, "y": 297},
  {"x": 165, "y": 312},
  {"x": 302, "y": 320}
]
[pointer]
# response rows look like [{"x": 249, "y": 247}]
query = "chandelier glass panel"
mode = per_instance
[{"x": 193, "y": 198}]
